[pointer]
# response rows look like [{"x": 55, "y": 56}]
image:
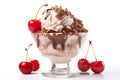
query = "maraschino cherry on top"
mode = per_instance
[{"x": 35, "y": 24}]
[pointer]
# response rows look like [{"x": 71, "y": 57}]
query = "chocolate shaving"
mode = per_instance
[
  {"x": 46, "y": 16},
  {"x": 46, "y": 11},
  {"x": 38, "y": 42}
]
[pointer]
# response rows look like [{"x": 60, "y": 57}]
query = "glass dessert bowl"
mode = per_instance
[{"x": 59, "y": 48}]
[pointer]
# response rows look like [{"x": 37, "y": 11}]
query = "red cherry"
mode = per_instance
[
  {"x": 97, "y": 67},
  {"x": 34, "y": 25},
  {"x": 26, "y": 67},
  {"x": 36, "y": 65},
  {"x": 83, "y": 65}
]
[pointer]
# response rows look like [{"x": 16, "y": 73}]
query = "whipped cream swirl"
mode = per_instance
[{"x": 51, "y": 22}]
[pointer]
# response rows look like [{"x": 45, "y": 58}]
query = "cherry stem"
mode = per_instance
[
  {"x": 90, "y": 44},
  {"x": 93, "y": 50},
  {"x": 39, "y": 10},
  {"x": 27, "y": 55},
  {"x": 87, "y": 51}
]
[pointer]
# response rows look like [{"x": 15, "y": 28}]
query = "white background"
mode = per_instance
[{"x": 100, "y": 17}]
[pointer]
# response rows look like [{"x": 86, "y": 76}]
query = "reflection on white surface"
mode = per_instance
[
  {"x": 81, "y": 76},
  {"x": 30, "y": 77},
  {"x": 97, "y": 77}
]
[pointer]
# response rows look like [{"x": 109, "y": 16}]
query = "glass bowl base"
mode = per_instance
[
  {"x": 60, "y": 71},
  {"x": 68, "y": 75}
]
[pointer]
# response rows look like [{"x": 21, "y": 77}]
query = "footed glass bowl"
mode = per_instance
[{"x": 59, "y": 48}]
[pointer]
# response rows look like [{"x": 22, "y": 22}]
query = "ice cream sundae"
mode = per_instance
[{"x": 58, "y": 34}]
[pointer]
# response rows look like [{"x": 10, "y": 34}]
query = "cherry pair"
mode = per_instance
[
  {"x": 26, "y": 67},
  {"x": 96, "y": 66}
]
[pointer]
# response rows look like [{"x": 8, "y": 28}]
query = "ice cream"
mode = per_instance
[
  {"x": 60, "y": 48},
  {"x": 59, "y": 20},
  {"x": 61, "y": 35}
]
